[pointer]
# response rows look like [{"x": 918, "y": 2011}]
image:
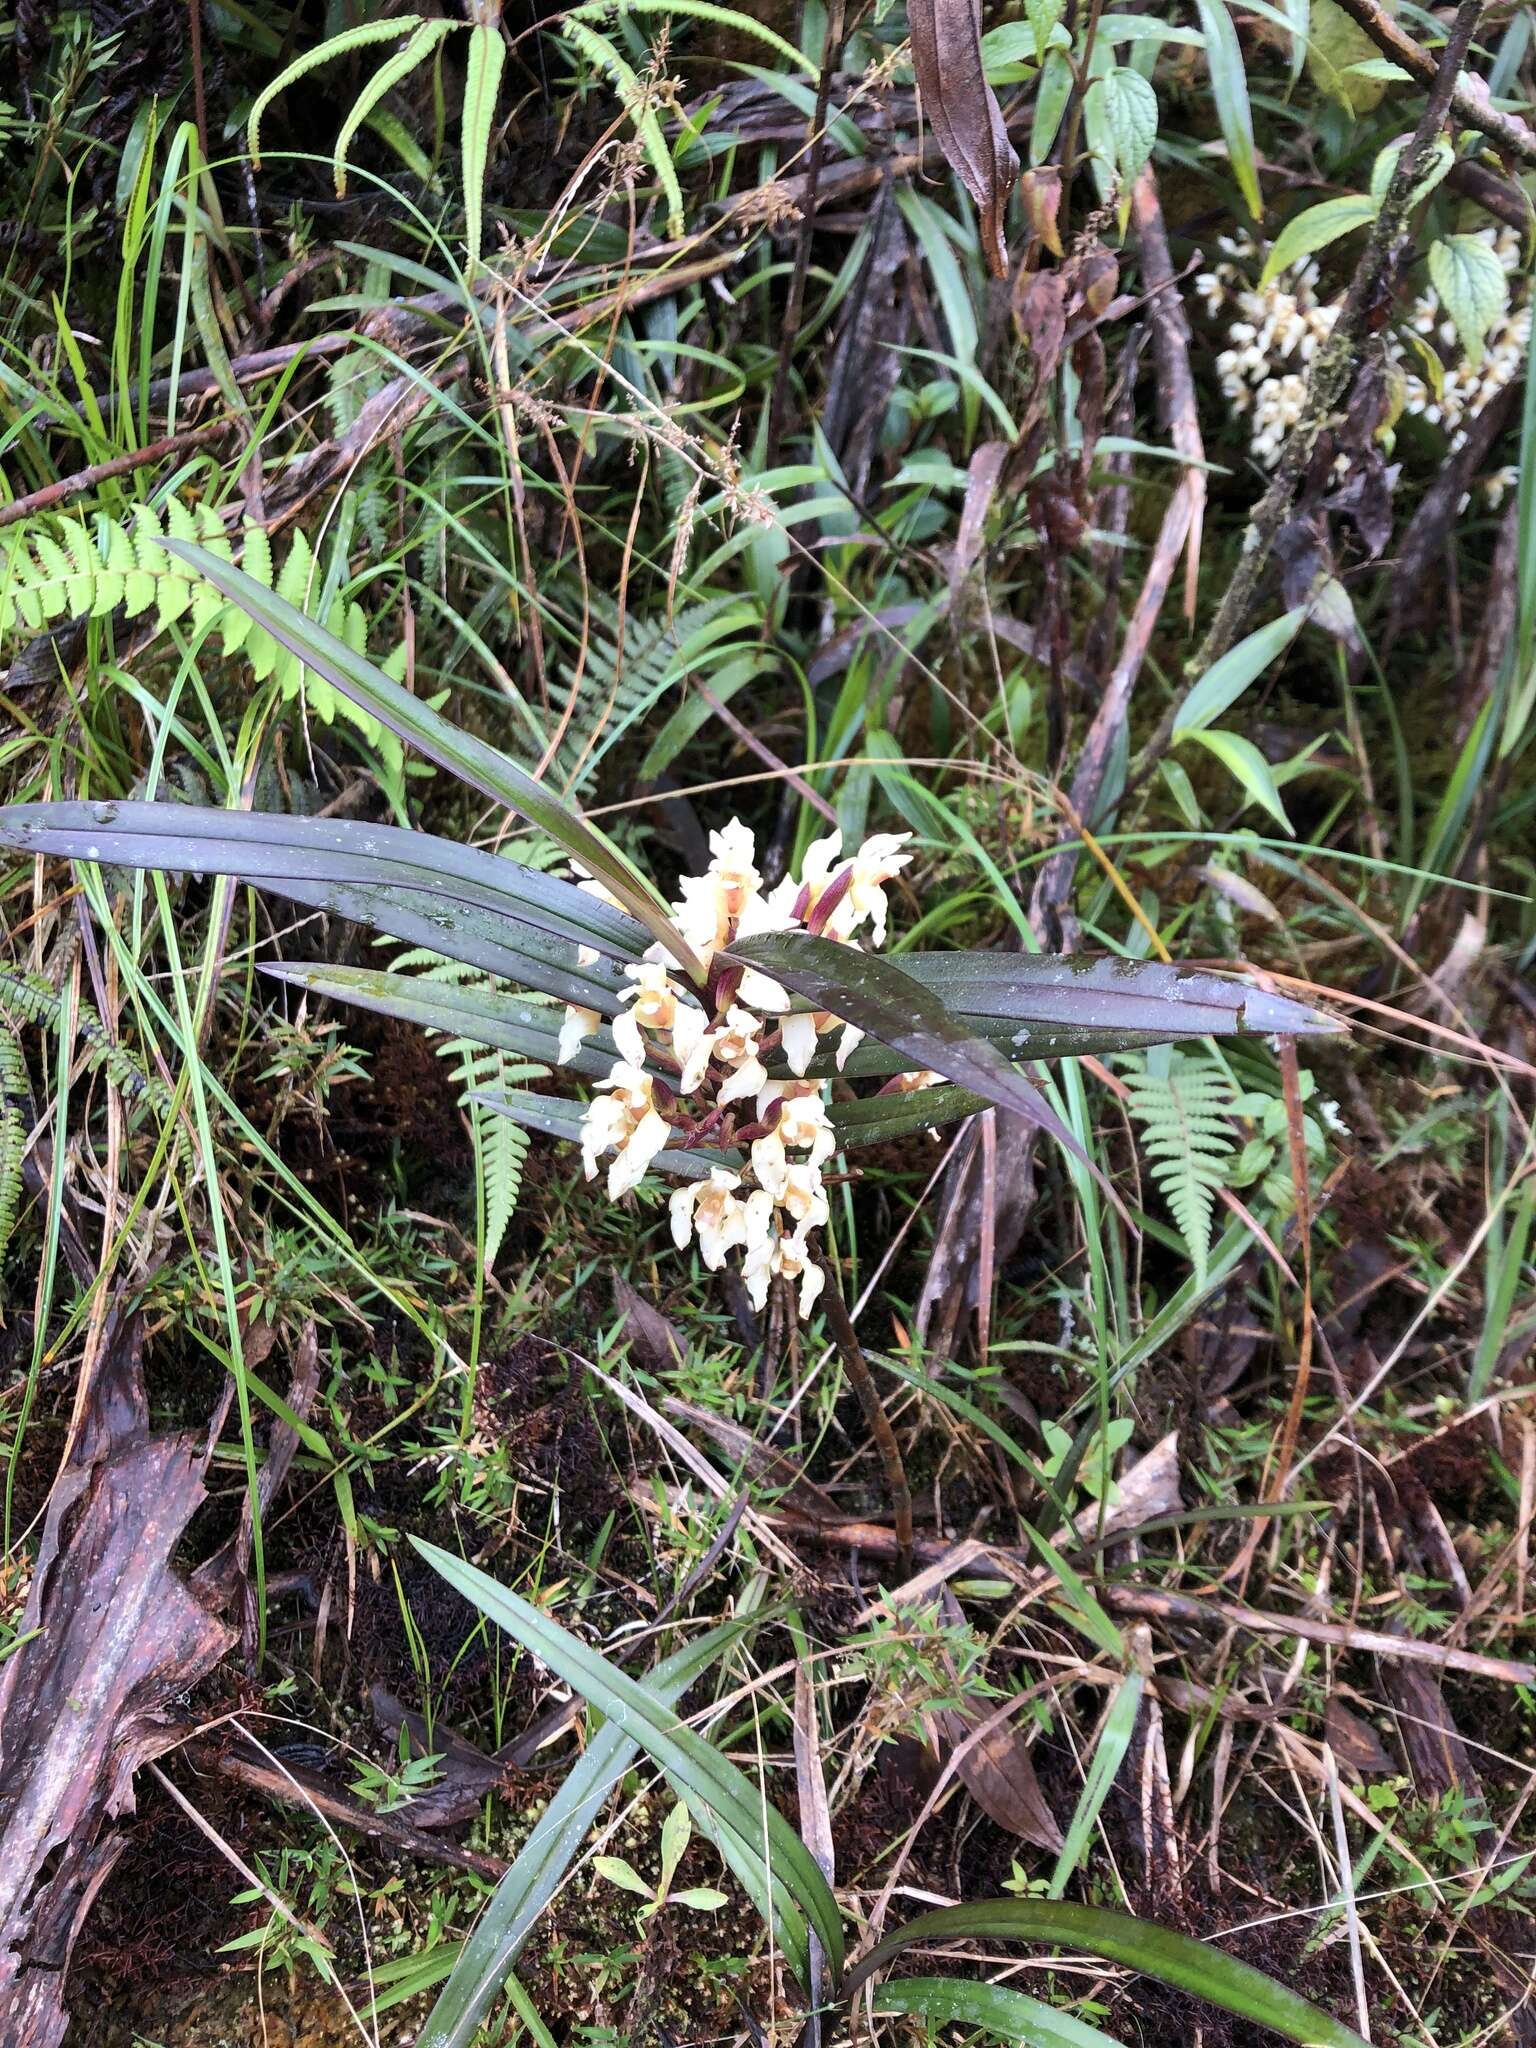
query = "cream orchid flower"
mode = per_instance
[
  {"x": 793, "y": 1260},
  {"x": 761, "y": 1244},
  {"x": 797, "y": 1035},
  {"x": 714, "y": 1210},
  {"x": 693, "y": 1044},
  {"x": 735, "y": 1046},
  {"x": 711, "y": 905},
  {"x": 797, "y": 1190},
  {"x": 803, "y": 1125},
  {"x": 579, "y": 1024},
  {"x": 876, "y": 862},
  {"x": 626, "y": 1122},
  {"x": 762, "y": 917}
]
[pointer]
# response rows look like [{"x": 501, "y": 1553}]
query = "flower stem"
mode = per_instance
[{"x": 856, "y": 1365}]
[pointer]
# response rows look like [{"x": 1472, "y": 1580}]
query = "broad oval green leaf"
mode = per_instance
[
  {"x": 1120, "y": 113},
  {"x": 1247, "y": 766},
  {"x": 1305, "y": 233},
  {"x": 769, "y": 1858},
  {"x": 1473, "y": 288},
  {"x": 1195, "y": 1966}
]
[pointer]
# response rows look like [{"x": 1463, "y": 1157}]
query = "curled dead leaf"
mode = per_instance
[{"x": 962, "y": 108}]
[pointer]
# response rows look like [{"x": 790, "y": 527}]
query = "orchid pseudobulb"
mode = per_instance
[{"x": 692, "y": 1065}]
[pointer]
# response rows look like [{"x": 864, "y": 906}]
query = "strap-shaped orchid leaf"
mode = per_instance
[
  {"x": 482, "y": 1016},
  {"x": 483, "y": 767},
  {"x": 865, "y": 990},
  {"x": 549, "y": 1852},
  {"x": 783, "y": 1878},
  {"x": 473, "y": 906}
]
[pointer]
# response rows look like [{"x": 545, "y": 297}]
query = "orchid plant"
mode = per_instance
[{"x": 712, "y": 1028}]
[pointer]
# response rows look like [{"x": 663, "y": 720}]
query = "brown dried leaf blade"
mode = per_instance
[{"x": 962, "y": 108}]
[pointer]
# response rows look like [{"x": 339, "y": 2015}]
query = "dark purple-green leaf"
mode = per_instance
[
  {"x": 461, "y": 753},
  {"x": 863, "y": 989},
  {"x": 458, "y": 900}
]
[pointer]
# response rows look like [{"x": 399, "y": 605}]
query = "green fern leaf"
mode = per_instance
[
  {"x": 338, "y": 46},
  {"x": 388, "y": 75},
  {"x": 482, "y": 85},
  {"x": 1184, "y": 1116}
]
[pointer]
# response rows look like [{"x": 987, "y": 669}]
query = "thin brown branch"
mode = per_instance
[
  {"x": 856, "y": 1365},
  {"x": 1469, "y": 100}
]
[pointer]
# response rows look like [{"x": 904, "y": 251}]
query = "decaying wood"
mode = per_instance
[{"x": 110, "y": 1636}]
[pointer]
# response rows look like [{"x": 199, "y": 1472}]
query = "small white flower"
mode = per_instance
[
  {"x": 763, "y": 916},
  {"x": 797, "y": 1035},
  {"x": 792, "y": 1259},
  {"x": 875, "y": 863},
  {"x": 797, "y": 1190},
  {"x": 713, "y": 1209},
  {"x": 626, "y": 1122},
  {"x": 735, "y": 1046},
  {"x": 579, "y": 1024},
  {"x": 693, "y": 1043}
]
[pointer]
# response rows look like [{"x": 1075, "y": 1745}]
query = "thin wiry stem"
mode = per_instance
[{"x": 850, "y": 1351}]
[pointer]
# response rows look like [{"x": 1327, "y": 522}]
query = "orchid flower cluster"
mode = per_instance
[
  {"x": 691, "y": 1063},
  {"x": 1276, "y": 330}
]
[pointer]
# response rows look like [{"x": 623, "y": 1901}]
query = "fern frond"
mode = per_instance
[
  {"x": 621, "y": 680},
  {"x": 1184, "y": 1116},
  {"x": 57, "y": 569},
  {"x": 28, "y": 999},
  {"x": 14, "y": 1096}
]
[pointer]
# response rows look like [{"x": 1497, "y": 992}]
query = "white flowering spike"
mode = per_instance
[
  {"x": 1280, "y": 329},
  {"x": 698, "y": 1067}
]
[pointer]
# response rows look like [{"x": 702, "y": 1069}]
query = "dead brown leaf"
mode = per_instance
[{"x": 962, "y": 108}]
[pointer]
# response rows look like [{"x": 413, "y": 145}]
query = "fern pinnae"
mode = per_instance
[
  {"x": 350, "y": 39},
  {"x": 482, "y": 87},
  {"x": 389, "y": 74},
  {"x": 1184, "y": 1118},
  {"x": 14, "y": 1097}
]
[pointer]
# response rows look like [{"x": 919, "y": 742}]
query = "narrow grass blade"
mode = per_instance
[
  {"x": 548, "y": 1854},
  {"x": 773, "y": 1863},
  {"x": 1193, "y": 1966},
  {"x": 1108, "y": 1755}
]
